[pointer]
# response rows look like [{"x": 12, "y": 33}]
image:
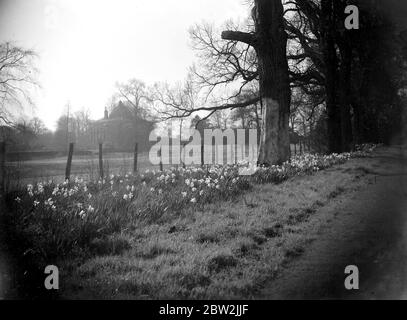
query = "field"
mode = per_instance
[
  {"x": 86, "y": 167},
  {"x": 197, "y": 232}
]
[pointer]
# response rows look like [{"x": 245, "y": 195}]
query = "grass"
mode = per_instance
[
  {"x": 162, "y": 245},
  {"x": 212, "y": 254}
]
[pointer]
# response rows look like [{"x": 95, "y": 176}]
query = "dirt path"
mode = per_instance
[{"x": 369, "y": 231}]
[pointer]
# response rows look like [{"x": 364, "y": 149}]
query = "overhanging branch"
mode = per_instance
[{"x": 244, "y": 37}]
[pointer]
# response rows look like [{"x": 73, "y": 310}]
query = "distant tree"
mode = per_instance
[
  {"x": 17, "y": 77},
  {"x": 135, "y": 95},
  {"x": 37, "y": 126},
  {"x": 221, "y": 119}
]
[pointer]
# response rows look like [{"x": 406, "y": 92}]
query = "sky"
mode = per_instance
[{"x": 86, "y": 46}]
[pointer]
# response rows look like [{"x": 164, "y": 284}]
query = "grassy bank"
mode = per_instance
[{"x": 194, "y": 233}]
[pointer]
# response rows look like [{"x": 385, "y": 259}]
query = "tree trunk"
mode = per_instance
[
  {"x": 271, "y": 43},
  {"x": 328, "y": 24},
  {"x": 345, "y": 93}
]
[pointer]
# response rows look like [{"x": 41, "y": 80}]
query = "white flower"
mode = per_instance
[
  {"x": 152, "y": 189},
  {"x": 125, "y": 197},
  {"x": 201, "y": 192},
  {"x": 193, "y": 200},
  {"x": 184, "y": 194},
  {"x": 18, "y": 200},
  {"x": 82, "y": 214},
  {"x": 40, "y": 188},
  {"x": 49, "y": 202},
  {"x": 193, "y": 189},
  {"x": 91, "y": 209},
  {"x": 36, "y": 203},
  {"x": 30, "y": 190}
]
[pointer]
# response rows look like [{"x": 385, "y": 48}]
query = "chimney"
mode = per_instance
[{"x": 106, "y": 114}]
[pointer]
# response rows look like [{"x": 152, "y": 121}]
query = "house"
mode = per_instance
[{"x": 121, "y": 129}]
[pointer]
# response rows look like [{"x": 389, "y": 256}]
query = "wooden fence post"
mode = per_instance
[
  {"x": 202, "y": 154},
  {"x": 2, "y": 168},
  {"x": 69, "y": 162},
  {"x": 135, "y": 158},
  {"x": 161, "y": 161},
  {"x": 183, "y": 154},
  {"x": 101, "y": 160}
]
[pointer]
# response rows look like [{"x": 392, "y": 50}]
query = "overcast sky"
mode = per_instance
[{"x": 85, "y": 46}]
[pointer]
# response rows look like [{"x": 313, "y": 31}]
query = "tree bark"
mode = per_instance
[{"x": 271, "y": 44}]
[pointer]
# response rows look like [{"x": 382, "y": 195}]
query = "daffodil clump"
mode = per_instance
[
  {"x": 56, "y": 217},
  {"x": 307, "y": 164}
]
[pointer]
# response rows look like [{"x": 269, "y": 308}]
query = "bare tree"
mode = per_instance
[
  {"x": 223, "y": 64},
  {"x": 134, "y": 93},
  {"x": 269, "y": 40},
  {"x": 17, "y": 77},
  {"x": 258, "y": 52},
  {"x": 175, "y": 101},
  {"x": 37, "y": 126}
]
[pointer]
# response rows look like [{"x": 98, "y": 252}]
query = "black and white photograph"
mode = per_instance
[{"x": 203, "y": 155}]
